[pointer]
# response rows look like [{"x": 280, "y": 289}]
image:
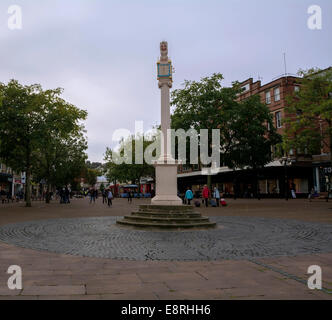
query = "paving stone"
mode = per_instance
[{"x": 53, "y": 290}]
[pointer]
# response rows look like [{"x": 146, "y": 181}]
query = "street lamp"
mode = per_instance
[{"x": 286, "y": 161}]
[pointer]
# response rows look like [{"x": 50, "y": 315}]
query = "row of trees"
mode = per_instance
[
  {"x": 42, "y": 135},
  {"x": 246, "y": 127},
  {"x": 129, "y": 172},
  {"x": 247, "y": 131}
]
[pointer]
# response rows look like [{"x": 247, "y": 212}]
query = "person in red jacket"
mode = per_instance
[{"x": 206, "y": 195}]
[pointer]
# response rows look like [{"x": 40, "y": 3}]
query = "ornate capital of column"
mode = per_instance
[{"x": 162, "y": 83}]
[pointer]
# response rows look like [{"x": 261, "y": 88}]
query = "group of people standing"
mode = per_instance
[
  {"x": 64, "y": 194},
  {"x": 107, "y": 197},
  {"x": 206, "y": 195}
]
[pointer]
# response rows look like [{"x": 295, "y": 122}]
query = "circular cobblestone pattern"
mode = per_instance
[{"x": 236, "y": 238}]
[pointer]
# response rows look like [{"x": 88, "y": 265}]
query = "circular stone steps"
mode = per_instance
[
  {"x": 166, "y": 217},
  {"x": 165, "y": 220}
]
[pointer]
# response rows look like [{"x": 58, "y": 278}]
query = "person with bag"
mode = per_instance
[
  {"x": 189, "y": 196},
  {"x": 216, "y": 195},
  {"x": 206, "y": 195},
  {"x": 109, "y": 198},
  {"x": 130, "y": 197}
]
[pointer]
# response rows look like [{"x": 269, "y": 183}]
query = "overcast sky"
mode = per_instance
[{"x": 103, "y": 52}]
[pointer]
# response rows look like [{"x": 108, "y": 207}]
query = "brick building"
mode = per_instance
[{"x": 301, "y": 171}]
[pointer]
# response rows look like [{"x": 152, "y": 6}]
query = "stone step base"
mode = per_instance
[
  {"x": 167, "y": 209},
  {"x": 172, "y": 220},
  {"x": 166, "y": 217},
  {"x": 167, "y": 225}
]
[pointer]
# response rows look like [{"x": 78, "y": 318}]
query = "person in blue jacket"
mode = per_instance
[
  {"x": 189, "y": 196},
  {"x": 216, "y": 195}
]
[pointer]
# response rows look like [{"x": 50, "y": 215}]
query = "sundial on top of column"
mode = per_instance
[{"x": 165, "y": 64}]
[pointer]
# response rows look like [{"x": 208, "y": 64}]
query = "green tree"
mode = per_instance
[
  {"x": 310, "y": 124},
  {"x": 90, "y": 176},
  {"x": 246, "y": 127},
  {"x": 31, "y": 120},
  {"x": 62, "y": 162},
  {"x": 133, "y": 171}
]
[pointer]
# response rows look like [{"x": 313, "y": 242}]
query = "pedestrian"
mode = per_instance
[
  {"x": 206, "y": 195},
  {"x": 3, "y": 196},
  {"x": 109, "y": 198},
  {"x": 130, "y": 198},
  {"x": 216, "y": 195},
  {"x": 104, "y": 196},
  {"x": 67, "y": 195},
  {"x": 311, "y": 194},
  {"x": 92, "y": 196},
  {"x": 189, "y": 196},
  {"x": 182, "y": 196},
  {"x": 62, "y": 195}
]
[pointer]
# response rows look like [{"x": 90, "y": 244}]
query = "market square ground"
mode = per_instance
[{"x": 49, "y": 275}]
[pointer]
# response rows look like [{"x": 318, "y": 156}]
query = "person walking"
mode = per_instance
[
  {"x": 311, "y": 194},
  {"x": 206, "y": 195},
  {"x": 92, "y": 196},
  {"x": 62, "y": 195},
  {"x": 109, "y": 198},
  {"x": 189, "y": 196},
  {"x": 3, "y": 196},
  {"x": 104, "y": 196},
  {"x": 67, "y": 195},
  {"x": 130, "y": 197},
  {"x": 216, "y": 195}
]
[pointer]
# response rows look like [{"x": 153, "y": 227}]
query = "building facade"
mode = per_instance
[{"x": 298, "y": 171}]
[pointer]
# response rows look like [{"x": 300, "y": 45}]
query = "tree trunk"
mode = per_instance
[
  {"x": 234, "y": 185},
  {"x": 28, "y": 188},
  {"x": 258, "y": 191},
  {"x": 115, "y": 189},
  {"x": 48, "y": 191}
]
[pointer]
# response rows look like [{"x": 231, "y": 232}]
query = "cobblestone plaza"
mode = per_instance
[{"x": 260, "y": 250}]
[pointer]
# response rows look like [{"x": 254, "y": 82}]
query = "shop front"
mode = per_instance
[
  {"x": 271, "y": 181},
  {"x": 6, "y": 181}
]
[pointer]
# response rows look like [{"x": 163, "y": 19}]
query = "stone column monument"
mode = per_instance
[
  {"x": 166, "y": 211},
  {"x": 166, "y": 166}
]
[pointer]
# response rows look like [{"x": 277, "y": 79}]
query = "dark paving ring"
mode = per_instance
[{"x": 235, "y": 238}]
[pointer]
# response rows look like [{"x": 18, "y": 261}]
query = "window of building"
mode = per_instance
[
  {"x": 268, "y": 97},
  {"x": 278, "y": 119},
  {"x": 296, "y": 88},
  {"x": 246, "y": 87},
  {"x": 277, "y": 94}
]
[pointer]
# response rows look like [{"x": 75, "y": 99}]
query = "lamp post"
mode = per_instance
[{"x": 286, "y": 161}]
